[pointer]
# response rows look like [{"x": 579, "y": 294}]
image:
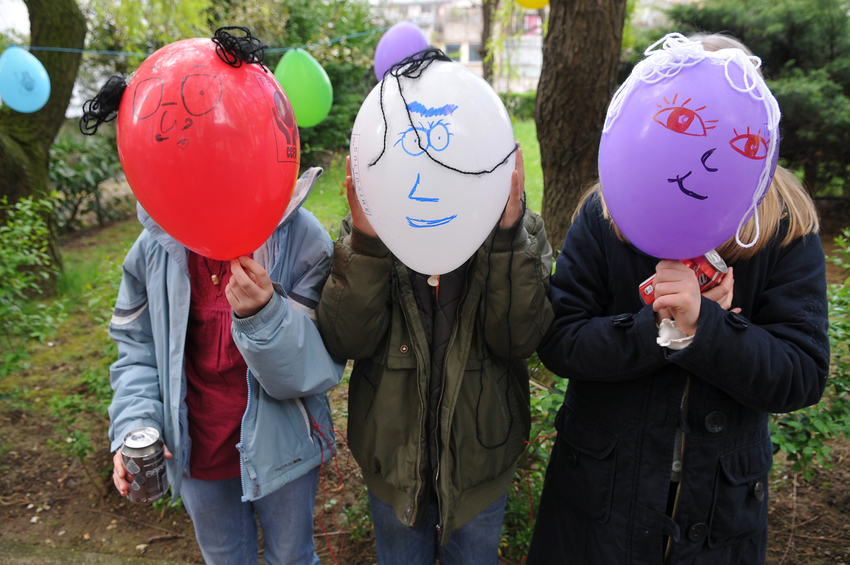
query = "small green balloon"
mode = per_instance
[{"x": 307, "y": 86}]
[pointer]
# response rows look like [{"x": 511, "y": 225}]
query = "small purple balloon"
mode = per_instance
[
  {"x": 681, "y": 161},
  {"x": 402, "y": 40}
]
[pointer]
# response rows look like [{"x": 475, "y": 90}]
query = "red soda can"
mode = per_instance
[
  {"x": 708, "y": 268},
  {"x": 144, "y": 458}
]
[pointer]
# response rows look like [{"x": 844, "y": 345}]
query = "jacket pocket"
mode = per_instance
[
  {"x": 586, "y": 458},
  {"x": 740, "y": 494}
]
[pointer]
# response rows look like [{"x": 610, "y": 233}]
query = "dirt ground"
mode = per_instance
[{"x": 47, "y": 500}]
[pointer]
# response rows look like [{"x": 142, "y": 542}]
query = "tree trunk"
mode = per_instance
[
  {"x": 488, "y": 8},
  {"x": 26, "y": 138},
  {"x": 581, "y": 53}
]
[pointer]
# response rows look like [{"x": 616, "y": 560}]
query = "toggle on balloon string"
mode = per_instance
[
  {"x": 412, "y": 67},
  {"x": 677, "y": 52}
]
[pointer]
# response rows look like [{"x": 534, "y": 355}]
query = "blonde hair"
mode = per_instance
[{"x": 785, "y": 196}]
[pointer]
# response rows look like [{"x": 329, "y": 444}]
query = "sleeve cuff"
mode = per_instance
[
  {"x": 366, "y": 244},
  {"x": 251, "y": 324},
  {"x": 670, "y": 336},
  {"x": 503, "y": 239}
]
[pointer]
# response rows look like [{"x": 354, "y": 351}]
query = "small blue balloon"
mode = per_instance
[{"x": 24, "y": 84}]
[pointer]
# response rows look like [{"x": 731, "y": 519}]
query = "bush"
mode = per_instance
[
  {"x": 24, "y": 267},
  {"x": 802, "y": 435},
  {"x": 77, "y": 169},
  {"x": 520, "y": 105},
  {"x": 351, "y": 84}
]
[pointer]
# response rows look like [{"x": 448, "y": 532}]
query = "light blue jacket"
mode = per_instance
[{"x": 289, "y": 367}]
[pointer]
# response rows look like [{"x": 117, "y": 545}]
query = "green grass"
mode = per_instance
[
  {"x": 86, "y": 255},
  {"x": 526, "y": 133},
  {"x": 327, "y": 201}
]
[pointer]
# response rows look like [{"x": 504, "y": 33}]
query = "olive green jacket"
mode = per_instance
[{"x": 368, "y": 313}]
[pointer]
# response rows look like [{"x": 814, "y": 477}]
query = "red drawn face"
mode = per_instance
[
  {"x": 199, "y": 94},
  {"x": 750, "y": 145}
]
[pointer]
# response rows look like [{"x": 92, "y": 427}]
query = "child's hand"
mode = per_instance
[
  {"x": 722, "y": 293},
  {"x": 119, "y": 472},
  {"x": 250, "y": 287},
  {"x": 357, "y": 215},
  {"x": 513, "y": 210},
  {"x": 677, "y": 292}
]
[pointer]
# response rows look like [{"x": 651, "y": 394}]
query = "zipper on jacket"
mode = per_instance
[
  {"x": 440, "y": 401},
  {"x": 418, "y": 489},
  {"x": 684, "y": 411},
  {"x": 242, "y": 470}
]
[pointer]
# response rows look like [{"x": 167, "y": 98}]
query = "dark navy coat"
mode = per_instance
[{"x": 605, "y": 499}]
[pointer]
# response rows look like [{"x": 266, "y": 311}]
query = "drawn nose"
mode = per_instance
[
  {"x": 419, "y": 198},
  {"x": 704, "y": 160}
]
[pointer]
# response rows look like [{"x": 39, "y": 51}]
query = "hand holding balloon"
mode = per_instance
[
  {"x": 677, "y": 295},
  {"x": 358, "y": 218},
  {"x": 513, "y": 210},
  {"x": 250, "y": 287}
]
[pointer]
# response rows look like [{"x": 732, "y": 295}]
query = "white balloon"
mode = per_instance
[{"x": 431, "y": 217}]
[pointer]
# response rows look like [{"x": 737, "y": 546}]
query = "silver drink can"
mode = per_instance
[{"x": 144, "y": 458}]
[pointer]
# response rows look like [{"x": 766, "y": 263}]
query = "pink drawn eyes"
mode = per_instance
[
  {"x": 682, "y": 120},
  {"x": 750, "y": 145}
]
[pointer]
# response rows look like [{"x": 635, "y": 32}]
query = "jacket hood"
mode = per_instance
[{"x": 303, "y": 187}]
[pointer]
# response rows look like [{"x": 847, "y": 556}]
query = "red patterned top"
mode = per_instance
[{"x": 217, "y": 386}]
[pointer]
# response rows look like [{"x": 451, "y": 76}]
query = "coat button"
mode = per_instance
[
  {"x": 404, "y": 349},
  {"x": 758, "y": 491},
  {"x": 572, "y": 458},
  {"x": 698, "y": 532},
  {"x": 737, "y": 321},
  {"x": 623, "y": 320},
  {"x": 715, "y": 422}
]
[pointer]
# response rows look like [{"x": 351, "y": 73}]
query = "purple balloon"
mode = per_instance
[
  {"x": 402, "y": 40},
  {"x": 681, "y": 162}
]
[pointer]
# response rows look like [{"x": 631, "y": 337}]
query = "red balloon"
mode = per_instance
[{"x": 211, "y": 151}]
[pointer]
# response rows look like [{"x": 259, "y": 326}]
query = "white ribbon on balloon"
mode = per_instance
[{"x": 677, "y": 52}]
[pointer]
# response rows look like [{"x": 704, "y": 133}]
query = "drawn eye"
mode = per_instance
[
  {"x": 147, "y": 98},
  {"x": 438, "y": 136},
  {"x": 682, "y": 120},
  {"x": 200, "y": 93},
  {"x": 409, "y": 142},
  {"x": 750, "y": 145}
]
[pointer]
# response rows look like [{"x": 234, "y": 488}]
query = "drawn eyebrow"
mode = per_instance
[
  {"x": 425, "y": 112},
  {"x": 196, "y": 66},
  {"x": 169, "y": 103}
]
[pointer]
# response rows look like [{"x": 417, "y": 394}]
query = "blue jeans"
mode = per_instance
[
  {"x": 226, "y": 528},
  {"x": 475, "y": 543}
]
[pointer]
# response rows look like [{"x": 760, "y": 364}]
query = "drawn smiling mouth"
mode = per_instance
[
  {"x": 419, "y": 223},
  {"x": 681, "y": 183},
  {"x": 414, "y": 223}
]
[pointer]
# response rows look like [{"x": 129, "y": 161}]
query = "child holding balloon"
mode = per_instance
[
  {"x": 663, "y": 450},
  {"x": 438, "y": 293},
  {"x": 221, "y": 357}
]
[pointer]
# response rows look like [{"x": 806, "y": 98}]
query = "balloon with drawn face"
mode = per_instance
[
  {"x": 211, "y": 151},
  {"x": 683, "y": 158},
  {"x": 433, "y": 216}
]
